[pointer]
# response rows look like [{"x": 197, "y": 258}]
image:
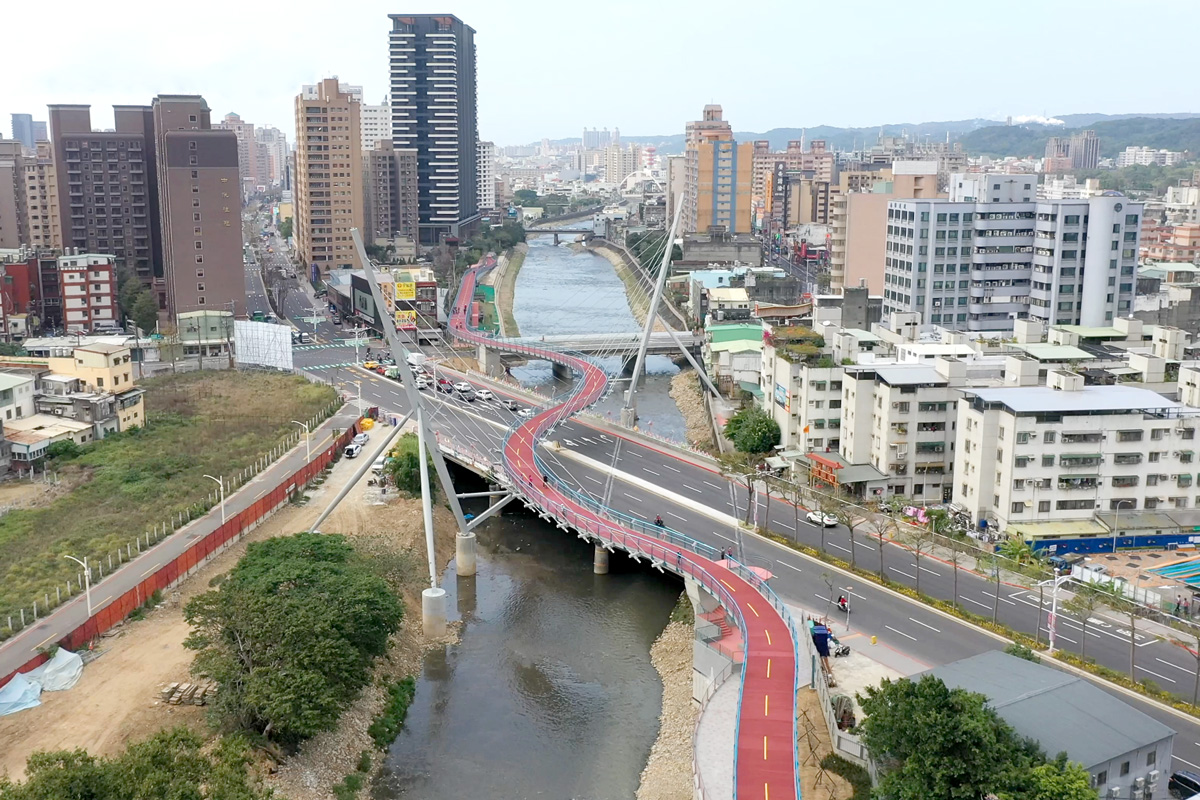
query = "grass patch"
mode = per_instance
[
  {"x": 202, "y": 422},
  {"x": 858, "y": 777},
  {"x": 507, "y": 290},
  {"x": 349, "y": 787},
  {"x": 682, "y": 612},
  {"x": 387, "y": 725}
]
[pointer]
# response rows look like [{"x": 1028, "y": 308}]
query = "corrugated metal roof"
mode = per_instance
[
  {"x": 1029, "y": 399},
  {"x": 1060, "y": 711}
]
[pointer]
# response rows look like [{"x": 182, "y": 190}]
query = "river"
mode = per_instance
[
  {"x": 560, "y": 291},
  {"x": 550, "y": 692}
]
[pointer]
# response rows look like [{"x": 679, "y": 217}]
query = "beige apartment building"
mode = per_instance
[
  {"x": 328, "y": 182},
  {"x": 717, "y": 184},
  {"x": 14, "y": 223},
  {"x": 858, "y": 218},
  {"x": 199, "y": 207},
  {"x": 247, "y": 148},
  {"x": 41, "y": 200}
]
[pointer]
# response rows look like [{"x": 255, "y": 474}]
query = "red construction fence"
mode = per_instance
[{"x": 197, "y": 554}]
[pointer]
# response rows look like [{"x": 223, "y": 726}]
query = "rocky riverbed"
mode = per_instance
[
  {"x": 668, "y": 772},
  {"x": 686, "y": 392}
]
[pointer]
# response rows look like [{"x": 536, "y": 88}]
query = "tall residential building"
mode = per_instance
[
  {"x": 1077, "y": 151},
  {"x": 41, "y": 199},
  {"x": 14, "y": 217},
  {"x": 596, "y": 139},
  {"x": 858, "y": 219},
  {"x": 329, "y": 192},
  {"x": 676, "y": 184},
  {"x": 376, "y": 124},
  {"x": 981, "y": 265},
  {"x": 88, "y": 286},
  {"x": 1146, "y": 156},
  {"x": 389, "y": 179},
  {"x": 817, "y": 160},
  {"x": 108, "y": 188},
  {"x": 247, "y": 144},
  {"x": 432, "y": 59},
  {"x": 200, "y": 212},
  {"x": 486, "y": 165},
  {"x": 720, "y": 174},
  {"x": 621, "y": 162},
  {"x": 273, "y": 143}
]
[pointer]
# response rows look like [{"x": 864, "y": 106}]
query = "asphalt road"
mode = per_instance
[
  {"x": 16, "y": 651},
  {"x": 701, "y": 503}
]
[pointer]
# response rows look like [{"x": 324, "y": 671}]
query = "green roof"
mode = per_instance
[
  {"x": 1092, "y": 332},
  {"x": 737, "y": 346},
  {"x": 1053, "y": 352},
  {"x": 751, "y": 387},
  {"x": 737, "y": 331}
]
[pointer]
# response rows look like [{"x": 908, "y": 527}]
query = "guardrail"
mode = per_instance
[{"x": 714, "y": 683}]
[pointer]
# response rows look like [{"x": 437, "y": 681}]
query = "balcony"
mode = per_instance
[
  {"x": 931, "y": 447},
  {"x": 1091, "y": 437},
  {"x": 1074, "y": 461},
  {"x": 1078, "y": 482}
]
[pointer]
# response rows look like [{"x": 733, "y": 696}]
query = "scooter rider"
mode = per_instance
[
  {"x": 843, "y": 604},
  {"x": 658, "y": 520}
]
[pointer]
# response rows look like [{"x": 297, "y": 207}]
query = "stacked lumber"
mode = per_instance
[{"x": 189, "y": 694}]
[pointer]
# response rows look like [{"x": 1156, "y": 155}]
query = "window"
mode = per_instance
[
  {"x": 1124, "y": 768},
  {"x": 1043, "y": 506},
  {"x": 1153, "y": 458},
  {"x": 1047, "y": 461},
  {"x": 1129, "y": 436},
  {"x": 1125, "y": 481},
  {"x": 1048, "y": 437},
  {"x": 1152, "y": 480},
  {"x": 1151, "y": 757},
  {"x": 1017, "y": 507},
  {"x": 1157, "y": 434},
  {"x": 1019, "y": 483}
]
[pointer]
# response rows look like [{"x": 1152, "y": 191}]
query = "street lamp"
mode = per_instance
[
  {"x": 1117, "y": 519},
  {"x": 1053, "y": 620},
  {"x": 87, "y": 581},
  {"x": 307, "y": 440},
  {"x": 221, "y": 483}
]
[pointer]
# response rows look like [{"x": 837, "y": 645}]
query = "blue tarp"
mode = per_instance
[{"x": 56, "y": 675}]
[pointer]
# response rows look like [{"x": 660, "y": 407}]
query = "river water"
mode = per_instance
[
  {"x": 560, "y": 291},
  {"x": 550, "y": 692}
]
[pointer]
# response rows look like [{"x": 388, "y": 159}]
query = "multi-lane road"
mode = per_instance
[{"x": 639, "y": 478}]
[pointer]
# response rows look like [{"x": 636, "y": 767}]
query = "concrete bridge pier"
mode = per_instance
[
  {"x": 600, "y": 561},
  {"x": 495, "y": 487},
  {"x": 561, "y": 372},
  {"x": 490, "y": 362},
  {"x": 464, "y": 554},
  {"x": 433, "y": 613},
  {"x": 627, "y": 365}
]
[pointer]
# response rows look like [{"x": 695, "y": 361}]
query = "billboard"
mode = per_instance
[
  {"x": 406, "y": 320},
  {"x": 781, "y": 396},
  {"x": 262, "y": 344},
  {"x": 405, "y": 290}
]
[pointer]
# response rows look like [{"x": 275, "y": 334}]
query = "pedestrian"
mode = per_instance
[
  {"x": 820, "y": 636},
  {"x": 1178, "y": 603}
]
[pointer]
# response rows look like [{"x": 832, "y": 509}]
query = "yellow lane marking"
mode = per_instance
[
  {"x": 752, "y": 609},
  {"x": 766, "y": 791},
  {"x": 768, "y": 633},
  {"x": 768, "y": 667},
  {"x": 727, "y": 586},
  {"x": 38, "y": 646},
  {"x": 764, "y": 748},
  {"x": 147, "y": 572},
  {"x": 766, "y": 705}
]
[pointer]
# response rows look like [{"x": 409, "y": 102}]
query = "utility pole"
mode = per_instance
[
  {"x": 433, "y": 599},
  {"x": 629, "y": 411}
]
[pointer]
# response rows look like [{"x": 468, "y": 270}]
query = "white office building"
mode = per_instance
[
  {"x": 979, "y": 266},
  {"x": 376, "y": 125},
  {"x": 486, "y": 164}
]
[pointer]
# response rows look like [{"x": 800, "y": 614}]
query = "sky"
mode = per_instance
[{"x": 549, "y": 69}]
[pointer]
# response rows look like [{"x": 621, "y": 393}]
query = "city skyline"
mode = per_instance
[{"x": 760, "y": 87}]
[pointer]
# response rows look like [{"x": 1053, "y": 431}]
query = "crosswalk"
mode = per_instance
[
  {"x": 316, "y": 367},
  {"x": 320, "y": 346}
]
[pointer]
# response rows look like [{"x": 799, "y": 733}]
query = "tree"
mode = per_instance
[
  {"x": 145, "y": 310},
  {"x": 1057, "y": 780},
  {"x": 740, "y": 468},
  {"x": 63, "y": 450},
  {"x": 920, "y": 539},
  {"x": 937, "y": 743},
  {"x": 170, "y": 764},
  {"x": 170, "y": 346},
  {"x": 405, "y": 467},
  {"x": 881, "y": 525},
  {"x": 290, "y": 634},
  {"x": 1084, "y": 604},
  {"x": 525, "y": 197},
  {"x": 285, "y": 228},
  {"x": 752, "y": 430}
]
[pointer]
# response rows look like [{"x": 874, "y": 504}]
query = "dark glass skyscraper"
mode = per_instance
[{"x": 432, "y": 68}]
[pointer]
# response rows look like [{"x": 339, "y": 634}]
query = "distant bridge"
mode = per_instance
[
  {"x": 620, "y": 343},
  {"x": 587, "y": 233}
]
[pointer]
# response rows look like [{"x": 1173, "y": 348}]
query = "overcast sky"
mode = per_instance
[{"x": 646, "y": 66}]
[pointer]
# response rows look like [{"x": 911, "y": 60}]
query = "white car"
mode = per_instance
[
  {"x": 485, "y": 394},
  {"x": 525, "y": 413},
  {"x": 362, "y": 438},
  {"x": 422, "y": 382},
  {"x": 352, "y": 450},
  {"x": 379, "y": 464},
  {"x": 462, "y": 386},
  {"x": 817, "y": 518}
]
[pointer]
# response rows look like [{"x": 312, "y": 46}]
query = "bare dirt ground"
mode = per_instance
[
  {"x": 117, "y": 698},
  {"x": 815, "y": 782}
]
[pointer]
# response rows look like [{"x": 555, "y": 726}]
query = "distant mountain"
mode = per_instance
[{"x": 1171, "y": 133}]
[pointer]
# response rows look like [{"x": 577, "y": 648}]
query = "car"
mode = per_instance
[
  {"x": 381, "y": 369},
  {"x": 469, "y": 395},
  {"x": 352, "y": 450},
  {"x": 422, "y": 382},
  {"x": 510, "y": 404},
  {"x": 370, "y": 364},
  {"x": 1183, "y": 784},
  {"x": 379, "y": 464},
  {"x": 305, "y": 338},
  {"x": 362, "y": 438},
  {"x": 485, "y": 394},
  {"x": 462, "y": 386},
  {"x": 525, "y": 413},
  {"x": 444, "y": 385},
  {"x": 337, "y": 320},
  {"x": 817, "y": 518}
]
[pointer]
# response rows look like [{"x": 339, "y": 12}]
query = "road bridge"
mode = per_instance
[{"x": 586, "y": 233}]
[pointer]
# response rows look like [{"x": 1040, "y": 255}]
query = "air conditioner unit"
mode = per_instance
[
  {"x": 1113, "y": 791},
  {"x": 58, "y": 412},
  {"x": 897, "y": 405},
  {"x": 1152, "y": 778},
  {"x": 1139, "y": 784},
  {"x": 1164, "y": 477}
]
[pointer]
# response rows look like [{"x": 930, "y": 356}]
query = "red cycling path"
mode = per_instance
[{"x": 765, "y": 762}]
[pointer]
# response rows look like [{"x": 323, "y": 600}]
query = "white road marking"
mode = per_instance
[
  {"x": 694, "y": 489},
  {"x": 931, "y": 572},
  {"x": 905, "y": 574},
  {"x": 634, "y": 499},
  {"x": 668, "y": 466},
  {"x": 902, "y": 633},
  {"x": 935, "y": 630},
  {"x": 1002, "y": 599},
  {"x": 1185, "y": 761},
  {"x": 784, "y": 525},
  {"x": 652, "y": 472},
  {"x": 784, "y": 563},
  {"x": 713, "y": 485},
  {"x": 839, "y": 547},
  {"x": 1155, "y": 674},
  {"x": 1176, "y": 666},
  {"x": 594, "y": 480},
  {"x": 976, "y": 602},
  {"x": 1060, "y": 636}
]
